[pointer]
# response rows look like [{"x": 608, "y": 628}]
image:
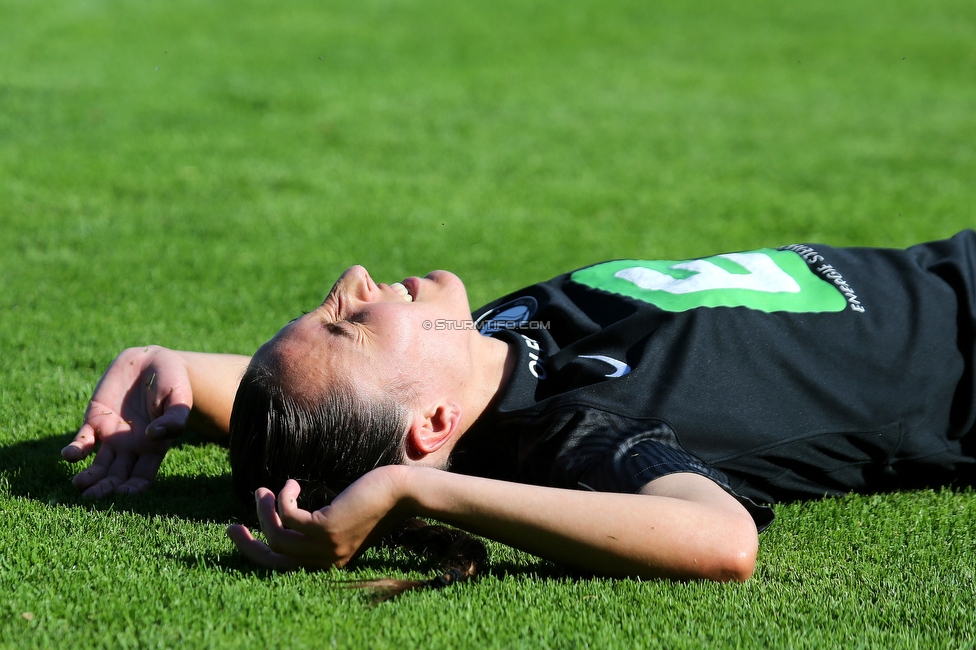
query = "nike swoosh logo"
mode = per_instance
[{"x": 620, "y": 368}]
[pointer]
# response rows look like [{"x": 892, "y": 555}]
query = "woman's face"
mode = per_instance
[{"x": 411, "y": 333}]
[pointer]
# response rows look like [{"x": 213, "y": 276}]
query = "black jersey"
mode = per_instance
[{"x": 781, "y": 374}]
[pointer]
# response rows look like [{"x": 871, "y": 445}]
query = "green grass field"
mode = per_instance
[{"x": 195, "y": 173}]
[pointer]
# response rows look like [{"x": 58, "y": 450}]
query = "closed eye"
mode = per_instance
[{"x": 339, "y": 330}]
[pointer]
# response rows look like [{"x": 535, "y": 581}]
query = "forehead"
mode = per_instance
[{"x": 303, "y": 357}]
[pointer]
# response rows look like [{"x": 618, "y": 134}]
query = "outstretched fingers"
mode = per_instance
[
  {"x": 258, "y": 552},
  {"x": 97, "y": 470},
  {"x": 143, "y": 474},
  {"x": 81, "y": 446},
  {"x": 118, "y": 473}
]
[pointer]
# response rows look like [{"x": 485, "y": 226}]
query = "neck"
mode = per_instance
[{"x": 494, "y": 362}]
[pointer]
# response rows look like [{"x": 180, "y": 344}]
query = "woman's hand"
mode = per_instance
[
  {"x": 141, "y": 403},
  {"x": 332, "y": 536}
]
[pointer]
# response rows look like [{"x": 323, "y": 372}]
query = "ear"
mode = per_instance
[{"x": 432, "y": 429}]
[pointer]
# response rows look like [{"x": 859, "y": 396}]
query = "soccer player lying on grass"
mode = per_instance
[{"x": 631, "y": 418}]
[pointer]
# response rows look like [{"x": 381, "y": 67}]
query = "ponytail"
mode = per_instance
[{"x": 459, "y": 556}]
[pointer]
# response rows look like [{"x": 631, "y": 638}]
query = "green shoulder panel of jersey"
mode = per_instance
[{"x": 766, "y": 280}]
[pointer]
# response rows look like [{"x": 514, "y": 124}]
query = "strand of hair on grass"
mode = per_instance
[{"x": 459, "y": 555}]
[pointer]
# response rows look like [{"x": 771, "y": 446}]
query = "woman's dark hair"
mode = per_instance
[{"x": 326, "y": 442}]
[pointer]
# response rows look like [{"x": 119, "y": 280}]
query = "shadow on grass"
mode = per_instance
[
  {"x": 404, "y": 562},
  {"x": 230, "y": 563},
  {"x": 34, "y": 470},
  {"x": 382, "y": 563}
]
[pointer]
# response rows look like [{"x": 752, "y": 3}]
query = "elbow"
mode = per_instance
[
  {"x": 739, "y": 568},
  {"x": 725, "y": 553},
  {"x": 737, "y": 558}
]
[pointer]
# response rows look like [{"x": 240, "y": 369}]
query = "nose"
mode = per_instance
[{"x": 355, "y": 284}]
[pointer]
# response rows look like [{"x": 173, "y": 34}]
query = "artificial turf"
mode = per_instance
[{"x": 195, "y": 173}]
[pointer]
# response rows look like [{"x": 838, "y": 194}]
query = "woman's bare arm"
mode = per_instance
[
  {"x": 214, "y": 378},
  {"x": 681, "y": 526}
]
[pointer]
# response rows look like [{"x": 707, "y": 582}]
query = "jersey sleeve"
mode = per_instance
[{"x": 641, "y": 459}]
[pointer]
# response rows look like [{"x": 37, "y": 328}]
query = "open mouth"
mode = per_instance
[{"x": 402, "y": 290}]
